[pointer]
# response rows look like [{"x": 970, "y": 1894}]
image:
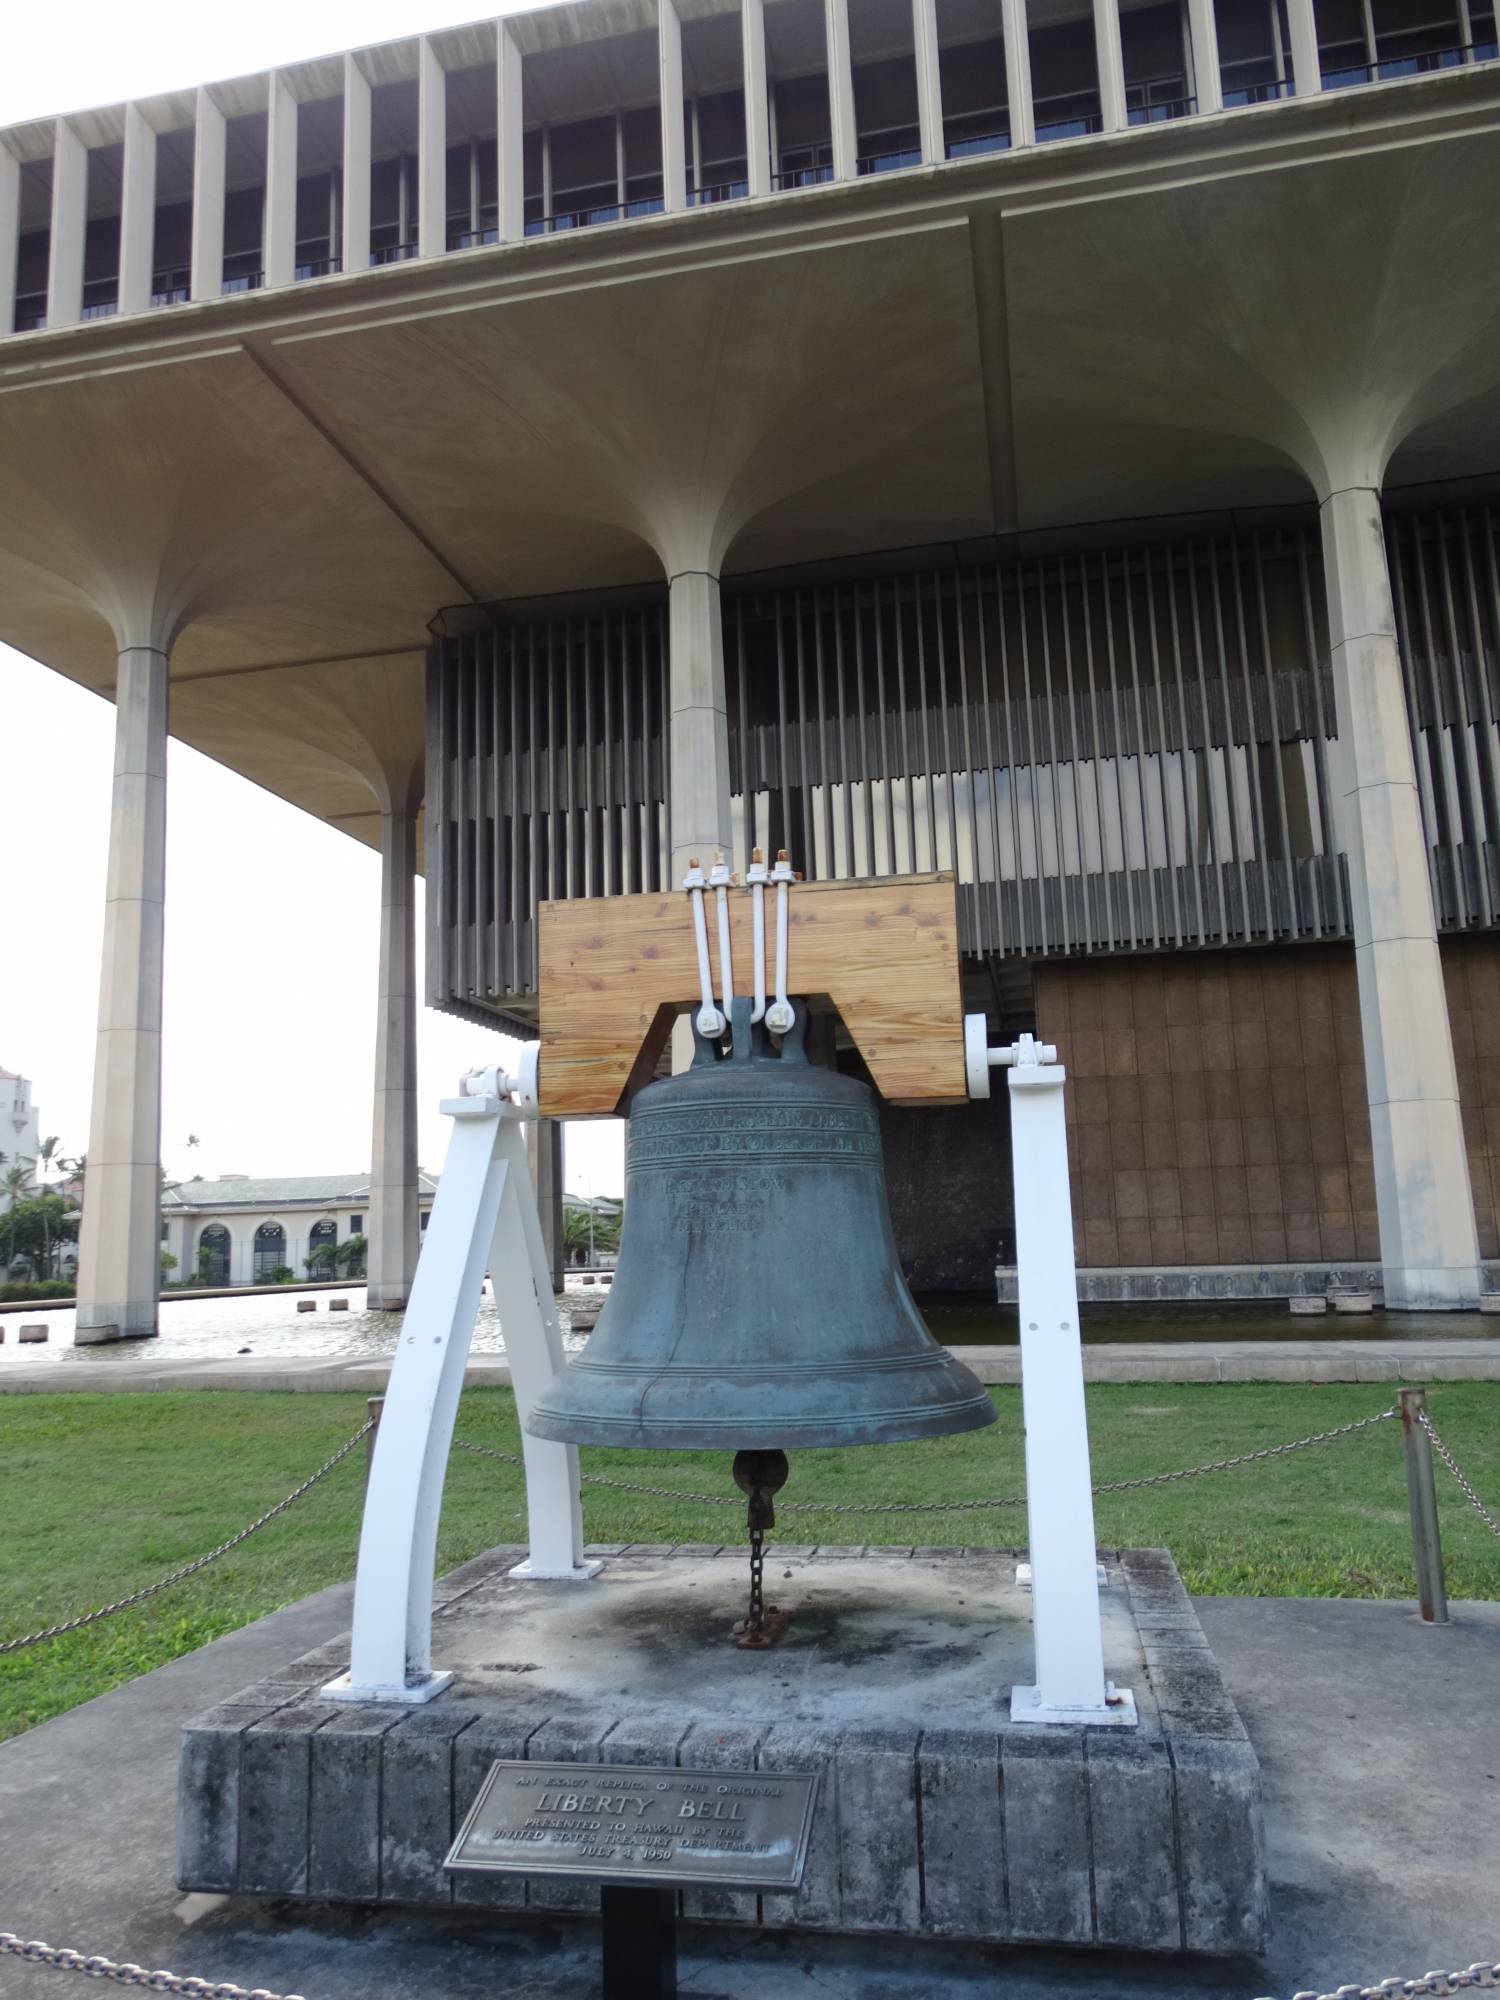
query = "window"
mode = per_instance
[{"x": 356, "y": 1225}]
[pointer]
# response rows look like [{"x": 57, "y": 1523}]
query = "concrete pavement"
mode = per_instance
[
  {"x": 1456, "y": 1360},
  {"x": 1379, "y": 1739}
]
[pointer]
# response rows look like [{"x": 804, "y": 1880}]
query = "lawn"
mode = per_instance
[{"x": 101, "y": 1494}]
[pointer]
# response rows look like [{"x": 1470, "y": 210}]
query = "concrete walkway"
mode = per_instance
[
  {"x": 1473, "y": 1360},
  {"x": 1379, "y": 1738}
]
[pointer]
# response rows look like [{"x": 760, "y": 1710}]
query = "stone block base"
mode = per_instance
[{"x": 936, "y": 1814}]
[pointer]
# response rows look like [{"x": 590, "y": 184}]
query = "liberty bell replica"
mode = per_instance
[{"x": 759, "y": 1304}]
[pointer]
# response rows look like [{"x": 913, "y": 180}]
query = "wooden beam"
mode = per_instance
[{"x": 885, "y": 954}]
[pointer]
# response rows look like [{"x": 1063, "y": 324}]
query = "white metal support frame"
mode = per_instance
[
  {"x": 1070, "y": 1685},
  {"x": 484, "y": 1215}
]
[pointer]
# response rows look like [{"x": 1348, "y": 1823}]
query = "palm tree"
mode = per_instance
[
  {"x": 47, "y": 1157},
  {"x": 15, "y": 1183}
]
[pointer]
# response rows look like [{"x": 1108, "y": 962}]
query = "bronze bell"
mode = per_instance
[{"x": 758, "y": 1304}]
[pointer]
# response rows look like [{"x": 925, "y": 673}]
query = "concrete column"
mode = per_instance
[
  {"x": 1428, "y": 1245},
  {"x": 929, "y": 81},
  {"x": 841, "y": 119},
  {"x": 393, "y": 1228},
  {"x": 1111, "y": 66},
  {"x": 1307, "y": 71},
  {"x": 10, "y": 236},
  {"x": 70, "y": 189},
  {"x": 208, "y": 199},
  {"x": 699, "y": 773},
  {"x": 1018, "y": 72},
  {"x": 279, "y": 250},
  {"x": 119, "y": 1269},
  {"x": 356, "y": 166},
  {"x": 1203, "y": 33},
  {"x": 758, "y": 167},
  {"x": 511, "y": 107},
  {"x": 432, "y": 152},
  {"x": 545, "y": 1157},
  {"x": 137, "y": 212},
  {"x": 673, "y": 130}
]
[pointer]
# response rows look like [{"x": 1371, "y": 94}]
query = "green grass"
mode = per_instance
[{"x": 101, "y": 1494}]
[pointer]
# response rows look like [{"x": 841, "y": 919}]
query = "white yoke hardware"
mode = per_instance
[
  {"x": 710, "y": 1021},
  {"x": 719, "y": 881},
  {"x": 779, "y": 1014},
  {"x": 484, "y": 1214},
  {"x": 1068, "y": 1636},
  {"x": 757, "y": 876}
]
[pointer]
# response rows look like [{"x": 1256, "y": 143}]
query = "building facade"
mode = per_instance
[
  {"x": 20, "y": 1129},
  {"x": 236, "y": 1230},
  {"x": 1058, "y": 443}
]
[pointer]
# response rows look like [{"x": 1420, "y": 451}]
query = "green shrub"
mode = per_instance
[{"x": 45, "y": 1288}]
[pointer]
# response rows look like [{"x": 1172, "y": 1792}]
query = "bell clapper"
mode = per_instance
[{"x": 760, "y": 1475}]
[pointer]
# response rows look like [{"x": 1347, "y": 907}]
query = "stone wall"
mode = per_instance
[{"x": 1216, "y": 1102}]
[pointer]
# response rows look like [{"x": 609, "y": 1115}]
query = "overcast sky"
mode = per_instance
[{"x": 269, "y": 1045}]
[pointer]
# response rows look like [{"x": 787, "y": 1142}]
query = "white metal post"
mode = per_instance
[
  {"x": 1070, "y": 1685},
  {"x": 484, "y": 1210},
  {"x": 521, "y": 1274}
]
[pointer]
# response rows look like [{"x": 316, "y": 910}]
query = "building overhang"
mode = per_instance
[{"x": 1222, "y": 313}]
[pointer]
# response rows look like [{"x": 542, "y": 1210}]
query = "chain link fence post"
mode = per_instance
[
  {"x": 1421, "y": 1494},
  {"x": 373, "y": 1407}
]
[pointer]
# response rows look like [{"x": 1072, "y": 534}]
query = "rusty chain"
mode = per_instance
[
  {"x": 1452, "y": 1464},
  {"x": 946, "y": 1506},
  {"x": 189, "y": 1569},
  {"x": 96, "y": 1966},
  {"x": 1481, "y": 1978}
]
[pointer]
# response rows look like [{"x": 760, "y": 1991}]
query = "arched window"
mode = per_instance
[
  {"x": 270, "y": 1250},
  {"x": 321, "y": 1241},
  {"x": 213, "y": 1254}
]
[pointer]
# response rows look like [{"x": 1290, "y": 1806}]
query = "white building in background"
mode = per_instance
[
  {"x": 251, "y": 1228},
  {"x": 19, "y": 1127}
]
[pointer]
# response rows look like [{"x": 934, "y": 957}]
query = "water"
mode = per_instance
[
  {"x": 267, "y": 1323},
  {"x": 270, "y": 1326}
]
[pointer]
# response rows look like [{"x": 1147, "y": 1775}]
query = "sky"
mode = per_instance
[{"x": 271, "y": 918}]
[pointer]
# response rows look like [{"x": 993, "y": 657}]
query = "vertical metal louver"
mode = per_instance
[
  {"x": 1445, "y": 579},
  {"x": 546, "y": 778},
  {"x": 1122, "y": 750}
]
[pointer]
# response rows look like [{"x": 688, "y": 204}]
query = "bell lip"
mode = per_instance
[{"x": 975, "y": 1413}]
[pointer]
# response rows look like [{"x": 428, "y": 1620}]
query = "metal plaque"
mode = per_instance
[{"x": 638, "y": 1823}]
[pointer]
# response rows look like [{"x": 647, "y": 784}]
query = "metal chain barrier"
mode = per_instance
[
  {"x": 951, "y": 1506},
  {"x": 1478, "y": 1979},
  {"x": 190, "y": 1569},
  {"x": 97, "y": 1967},
  {"x": 1452, "y": 1464}
]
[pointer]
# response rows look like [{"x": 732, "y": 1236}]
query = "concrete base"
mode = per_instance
[
  {"x": 1149, "y": 1284},
  {"x": 937, "y": 1815},
  {"x": 102, "y": 1335}
]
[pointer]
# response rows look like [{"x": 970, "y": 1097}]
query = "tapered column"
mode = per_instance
[
  {"x": 843, "y": 127},
  {"x": 356, "y": 166},
  {"x": 10, "y": 236},
  {"x": 1111, "y": 66},
  {"x": 673, "y": 130},
  {"x": 545, "y": 1156},
  {"x": 137, "y": 212},
  {"x": 1018, "y": 72},
  {"x": 394, "y": 1230},
  {"x": 511, "y": 107},
  {"x": 699, "y": 776},
  {"x": 70, "y": 188},
  {"x": 119, "y": 1251},
  {"x": 1428, "y": 1246},
  {"x": 929, "y": 81},
  {"x": 758, "y": 166},
  {"x": 1203, "y": 34},
  {"x": 208, "y": 199},
  {"x": 1307, "y": 71},
  {"x": 279, "y": 254},
  {"x": 432, "y": 152}
]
